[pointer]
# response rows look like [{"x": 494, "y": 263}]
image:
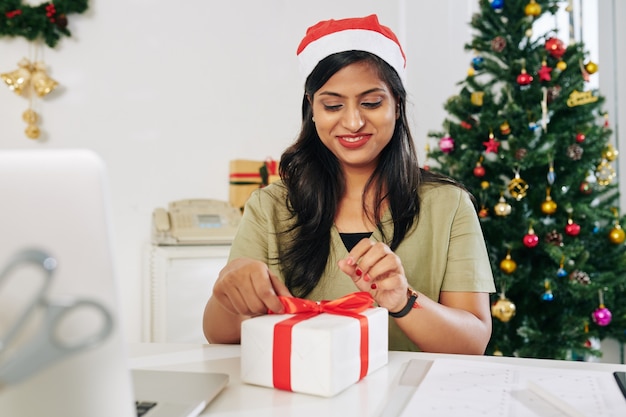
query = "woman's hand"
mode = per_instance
[
  {"x": 247, "y": 287},
  {"x": 376, "y": 269}
]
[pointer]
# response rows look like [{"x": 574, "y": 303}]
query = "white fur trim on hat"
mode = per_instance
[{"x": 363, "y": 34}]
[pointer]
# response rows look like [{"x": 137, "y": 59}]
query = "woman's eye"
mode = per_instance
[
  {"x": 330, "y": 107},
  {"x": 371, "y": 105}
]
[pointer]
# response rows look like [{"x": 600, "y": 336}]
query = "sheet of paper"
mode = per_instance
[{"x": 475, "y": 388}]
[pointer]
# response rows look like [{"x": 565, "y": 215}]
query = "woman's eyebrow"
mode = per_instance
[{"x": 364, "y": 93}]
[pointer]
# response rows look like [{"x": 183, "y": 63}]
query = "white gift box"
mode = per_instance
[{"x": 325, "y": 350}]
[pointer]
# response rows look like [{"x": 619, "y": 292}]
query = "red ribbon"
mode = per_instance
[{"x": 350, "y": 305}]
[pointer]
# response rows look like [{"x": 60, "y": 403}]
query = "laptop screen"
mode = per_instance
[{"x": 55, "y": 212}]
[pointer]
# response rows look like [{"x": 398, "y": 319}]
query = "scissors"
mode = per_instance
[{"x": 46, "y": 346}]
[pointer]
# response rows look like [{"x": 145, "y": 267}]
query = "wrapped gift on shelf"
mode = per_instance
[
  {"x": 247, "y": 175},
  {"x": 320, "y": 349}
]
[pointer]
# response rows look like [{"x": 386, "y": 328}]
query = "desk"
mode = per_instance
[{"x": 369, "y": 397}]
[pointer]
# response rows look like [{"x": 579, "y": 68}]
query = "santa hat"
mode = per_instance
[{"x": 361, "y": 33}]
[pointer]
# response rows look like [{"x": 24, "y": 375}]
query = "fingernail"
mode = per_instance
[
  {"x": 350, "y": 260},
  {"x": 367, "y": 277},
  {"x": 358, "y": 272},
  {"x": 373, "y": 286}
]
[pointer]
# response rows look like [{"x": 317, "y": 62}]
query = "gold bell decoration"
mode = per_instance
[
  {"x": 30, "y": 74},
  {"x": 30, "y": 80},
  {"x": 503, "y": 309},
  {"x": 31, "y": 118},
  {"x": 19, "y": 79}
]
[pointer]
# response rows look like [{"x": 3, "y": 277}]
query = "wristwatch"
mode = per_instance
[{"x": 411, "y": 303}]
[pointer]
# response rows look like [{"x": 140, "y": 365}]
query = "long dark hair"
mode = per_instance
[{"x": 315, "y": 181}]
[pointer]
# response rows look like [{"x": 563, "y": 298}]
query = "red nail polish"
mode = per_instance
[
  {"x": 373, "y": 286},
  {"x": 358, "y": 272}
]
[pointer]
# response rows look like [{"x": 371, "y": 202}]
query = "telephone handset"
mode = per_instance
[{"x": 195, "y": 222}]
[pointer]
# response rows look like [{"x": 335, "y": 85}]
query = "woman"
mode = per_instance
[{"x": 354, "y": 212}]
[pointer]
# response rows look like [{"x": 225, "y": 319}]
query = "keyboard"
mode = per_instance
[{"x": 143, "y": 407}]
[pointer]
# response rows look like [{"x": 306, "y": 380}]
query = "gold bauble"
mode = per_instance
[
  {"x": 532, "y": 9},
  {"x": 610, "y": 153},
  {"x": 508, "y": 265},
  {"x": 484, "y": 185},
  {"x": 477, "y": 98},
  {"x": 604, "y": 173},
  {"x": 617, "y": 235},
  {"x": 591, "y": 67},
  {"x": 30, "y": 116},
  {"x": 503, "y": 309},
  {"x": 548, "y": 206},
  {"x": 505, "y": 128},
  {"x": 32, "y": 131},
  {"x": 561, "y": 65},
  {"x": 502, "y": 208}
]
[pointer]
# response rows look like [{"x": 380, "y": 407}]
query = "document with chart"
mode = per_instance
[{"x": 476, "y": 388}]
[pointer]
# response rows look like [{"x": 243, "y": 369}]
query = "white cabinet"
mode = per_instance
[{"x": 177, "y": 283}]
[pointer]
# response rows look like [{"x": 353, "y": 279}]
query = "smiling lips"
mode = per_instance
[{"x": 353, "y": 141}]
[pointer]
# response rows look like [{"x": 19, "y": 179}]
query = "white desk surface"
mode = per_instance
[{"x": 378, "y": 394}]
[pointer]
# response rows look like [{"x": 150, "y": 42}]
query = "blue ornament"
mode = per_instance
[
  {"x": 547, "y": 296},
  {"x": 477, "y": 62},
  {"x": 497, "y": 5},
  {"x": 561, "y": 273}
]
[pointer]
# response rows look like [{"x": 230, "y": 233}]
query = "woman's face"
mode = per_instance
[{"x": 355, "y": 115}]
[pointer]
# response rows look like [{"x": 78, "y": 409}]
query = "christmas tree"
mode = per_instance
[{"x": 531, "y": 141}]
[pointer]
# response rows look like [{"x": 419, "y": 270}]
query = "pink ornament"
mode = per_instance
[
  {"x": 602, "y": 316},
  {"x": 530, "y": 240},
  {"x": 446, "y": 144}
]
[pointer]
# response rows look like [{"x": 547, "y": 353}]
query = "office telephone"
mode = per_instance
[{"x": 195, "y": 222}]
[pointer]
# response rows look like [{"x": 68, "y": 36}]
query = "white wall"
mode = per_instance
[{"x": 169, "y": 92}]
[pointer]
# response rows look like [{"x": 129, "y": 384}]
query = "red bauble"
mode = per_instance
[
  {"x": 479, "y": 171},
  {"x": 524, "y": 78},
  {"x": 530, "y": 240},
  {"x": 572, "y": 228},
  {"x": 580, "y": 137},
  {"x": 585, "y": 188},
  {"x": 555, "y": 47}
]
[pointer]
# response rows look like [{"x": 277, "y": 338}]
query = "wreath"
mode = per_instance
[{"x": 47, "y": 20}]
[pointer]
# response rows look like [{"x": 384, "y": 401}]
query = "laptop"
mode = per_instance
[{"x": 57, "y": 202}]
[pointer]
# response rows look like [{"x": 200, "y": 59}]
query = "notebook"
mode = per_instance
[{"x": 57, "y": 202}]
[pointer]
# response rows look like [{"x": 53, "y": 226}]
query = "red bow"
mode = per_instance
[{"x": 350, "y": 305}]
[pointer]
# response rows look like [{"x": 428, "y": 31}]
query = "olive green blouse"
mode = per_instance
[{"x": 444, "y": 250}]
